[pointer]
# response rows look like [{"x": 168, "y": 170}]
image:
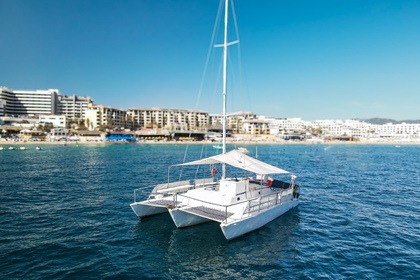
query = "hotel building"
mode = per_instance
[
  {"x": 73, "y": 107},
  {"x": 234, "y": 121},
  {"x": 256, "y": 127},
  {"x": 19, "y": 102},
  {"x": 42, "y": 102},
  {"x": 5, "y": 97},
  {"x": 98, "y": 117},
  {"x": 2, "y": 106},
  {"x": 29, "y": 102},
  {"x": 169, "y": 119}
]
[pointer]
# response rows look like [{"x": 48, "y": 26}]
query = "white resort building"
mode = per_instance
[
  {"x": 29, "y": 102},
  {"x": 54, "y": 120},
  {"x": 42, "y": 102}
]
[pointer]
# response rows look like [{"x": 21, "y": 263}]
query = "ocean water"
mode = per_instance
[{"x": 65, "y": 214}]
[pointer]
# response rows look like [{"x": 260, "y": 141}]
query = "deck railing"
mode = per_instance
[
  {"x": 143, "y": 192},
  {"x": 264, "y": 202},
  {"x": 172, "y": 187},
  {"x": 250, "y": 206}
]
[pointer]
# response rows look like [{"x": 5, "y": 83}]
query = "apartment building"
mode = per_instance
[
  {"x": 361, "y": 129},
  {"x": 169, "y": 119},
  {"x": 280, "y": 126},
  {"x": 256, "y": 127},
  {"x": 234, "y": 121},
  {"x": 99, "y": 116},
  {"x": 402, "y": 130}
]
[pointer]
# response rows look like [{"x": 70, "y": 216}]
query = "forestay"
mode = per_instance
[{"x": 239, "y": 160}]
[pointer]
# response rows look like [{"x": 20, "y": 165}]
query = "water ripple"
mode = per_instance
[{"x": 65, "y": 214}]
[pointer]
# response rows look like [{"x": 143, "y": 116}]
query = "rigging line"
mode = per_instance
[
  {"x": 213, "y": 87},
  {"x": 219, "y": 75},
  {"x": 235, "y": 23},
  {"x": 183, "y": 161},
  {"x": 242, "y": 72},
  {"x": 215, "y": 27},
  {"x": 233, "y": 88},
  {"x": 198, "y": 166},
  {"x": 215, "y": 92}
]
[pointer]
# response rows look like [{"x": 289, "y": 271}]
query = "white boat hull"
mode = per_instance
[
  {"x": 143, "y": 210},
  {"x": 185, "y": 219},
  {"x": 238, "y": 228}
]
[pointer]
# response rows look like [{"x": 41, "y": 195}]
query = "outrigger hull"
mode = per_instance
[
  {"x": 237, "y": 228},
  {"x": 148, "y": 208},
  {"x": 185, "y": 219}
]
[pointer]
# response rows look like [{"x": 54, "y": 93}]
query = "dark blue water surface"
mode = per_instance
[{"x": 64, "y": 213}]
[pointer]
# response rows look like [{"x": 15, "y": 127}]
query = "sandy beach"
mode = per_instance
[{"x": 4, "y": 142}]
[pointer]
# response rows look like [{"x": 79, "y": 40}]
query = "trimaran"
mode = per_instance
[{"x": 240, "y": 205}]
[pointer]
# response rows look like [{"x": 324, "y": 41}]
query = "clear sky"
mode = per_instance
[{"x": 314, "y": 59}]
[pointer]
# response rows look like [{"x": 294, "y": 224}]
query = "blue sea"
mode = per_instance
[{"x": 65, "y": 214}]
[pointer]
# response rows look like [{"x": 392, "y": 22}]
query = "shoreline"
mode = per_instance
[{"x": 245, "y": 143}]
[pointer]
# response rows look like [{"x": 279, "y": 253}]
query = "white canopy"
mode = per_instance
[{"x": 239, "y": 160}]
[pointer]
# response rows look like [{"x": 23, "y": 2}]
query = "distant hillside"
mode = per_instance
[{"x": 385, "y": 121}]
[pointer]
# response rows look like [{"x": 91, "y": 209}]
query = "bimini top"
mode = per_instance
[{"x": 239, "y": 160}]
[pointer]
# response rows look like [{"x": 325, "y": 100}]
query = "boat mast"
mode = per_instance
[{"x": 225, "y": 46}]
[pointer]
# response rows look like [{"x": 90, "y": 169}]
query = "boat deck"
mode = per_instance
[
  {"x": 209, "y": 213},
  {"x": 161, "y": 203}
]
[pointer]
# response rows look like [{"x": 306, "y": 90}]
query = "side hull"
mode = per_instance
[
  {"x": 185, "y": 219},
  {"x": 143, "y": 210},
  {"x": 238, "y": 228}
]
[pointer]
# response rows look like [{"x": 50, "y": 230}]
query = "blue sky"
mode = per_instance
[{"x": 298, "y": 58}]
